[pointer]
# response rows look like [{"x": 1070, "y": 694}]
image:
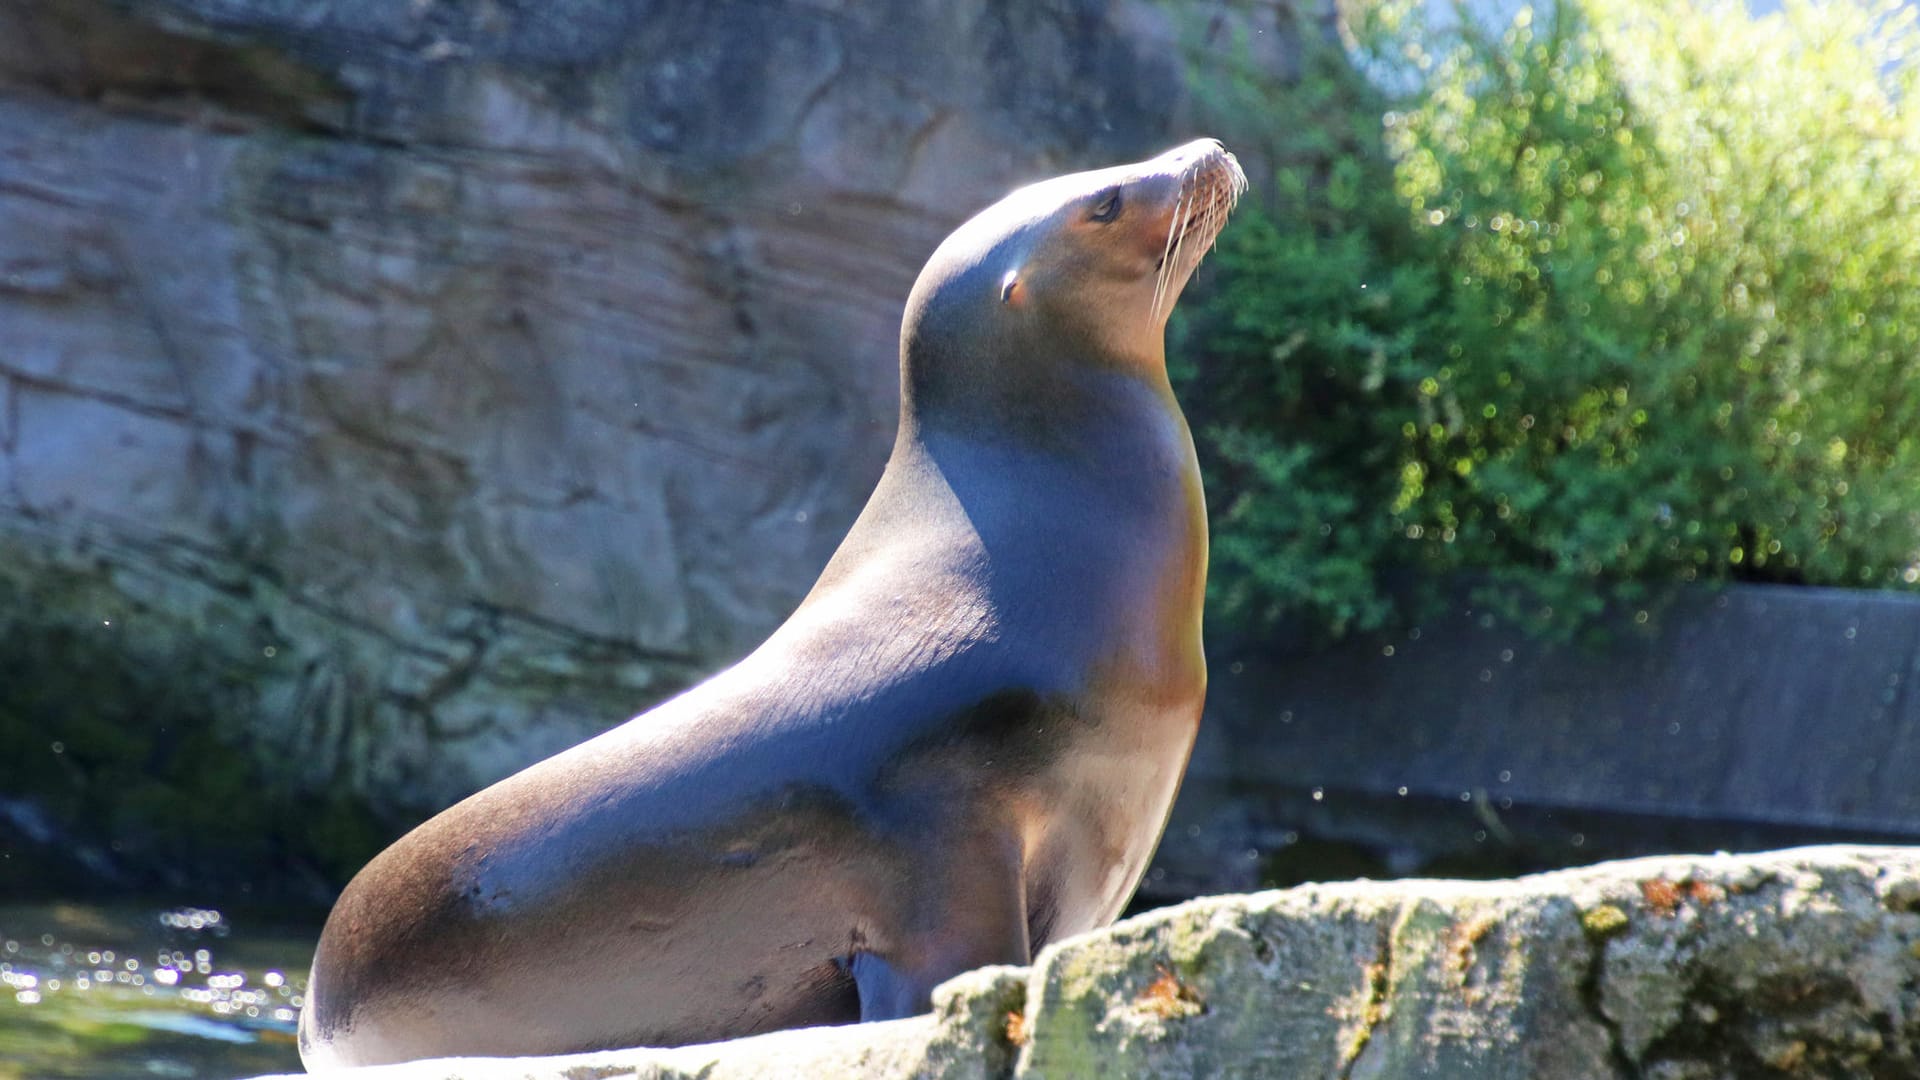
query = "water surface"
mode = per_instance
[{"x": 118, "y": 992}]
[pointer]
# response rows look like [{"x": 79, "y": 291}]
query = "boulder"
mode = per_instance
[{"x": 1801, "y": 963}]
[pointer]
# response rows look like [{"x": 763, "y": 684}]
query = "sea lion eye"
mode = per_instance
[{"x": 1108, "y": 207}]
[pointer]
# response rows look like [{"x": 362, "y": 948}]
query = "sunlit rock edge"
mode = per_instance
[{"x": 1803, "y": 962}]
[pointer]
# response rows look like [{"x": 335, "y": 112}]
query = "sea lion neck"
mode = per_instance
[{"x": 1039, "y": 395}]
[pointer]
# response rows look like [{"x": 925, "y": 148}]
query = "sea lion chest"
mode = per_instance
[{"x": 1080, "y": 577}]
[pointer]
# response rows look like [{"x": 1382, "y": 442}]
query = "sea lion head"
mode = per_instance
[{"x": 1082, "y": 267}]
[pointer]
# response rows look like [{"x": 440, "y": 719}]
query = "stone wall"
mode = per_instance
[{"x": 462, "y": 378}]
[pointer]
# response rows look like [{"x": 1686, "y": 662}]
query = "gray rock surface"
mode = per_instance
[
  {"x": 1802, "y": 963},
  {"x": 473, "y": 375}
]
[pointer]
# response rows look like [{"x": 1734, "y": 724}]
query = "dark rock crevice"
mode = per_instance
[
  {"x": 1376, "y": 1010},
  {"x": 132, "y": 55},
  {"x": 1623, "y": 1063}
]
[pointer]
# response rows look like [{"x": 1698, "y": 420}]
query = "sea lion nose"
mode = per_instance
[
  {"x": 1207, "y": 159},
  {"x": 1188, "y": 153}
]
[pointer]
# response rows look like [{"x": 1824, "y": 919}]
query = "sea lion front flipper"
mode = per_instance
[
  {"x": 885, "y": 992},
  {"x": 980, "y": 919}
]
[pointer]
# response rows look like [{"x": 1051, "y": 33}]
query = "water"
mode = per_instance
[{"x": 114, "y": 993}]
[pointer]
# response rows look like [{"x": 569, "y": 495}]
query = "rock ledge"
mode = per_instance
[{"x": 1796, "y": 963}]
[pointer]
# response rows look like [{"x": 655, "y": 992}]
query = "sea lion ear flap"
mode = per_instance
[{"x": 1011, "y": 290}]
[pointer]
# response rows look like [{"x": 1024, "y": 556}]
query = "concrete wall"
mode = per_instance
[{"x": 1748, "y": 718}]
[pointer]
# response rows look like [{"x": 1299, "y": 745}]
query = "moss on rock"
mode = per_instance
[{"x": 117, "y": 722}]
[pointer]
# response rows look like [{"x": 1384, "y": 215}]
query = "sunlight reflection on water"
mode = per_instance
[{"x": 106, "y": 993}]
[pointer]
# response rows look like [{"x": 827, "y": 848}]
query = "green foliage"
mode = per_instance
[{"x": 1618, "y": 301}]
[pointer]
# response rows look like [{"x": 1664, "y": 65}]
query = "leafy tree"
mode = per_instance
[{"x": 1595, "y": 306}]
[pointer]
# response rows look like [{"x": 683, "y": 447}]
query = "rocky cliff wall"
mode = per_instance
[{"x": 445, "y": 382}]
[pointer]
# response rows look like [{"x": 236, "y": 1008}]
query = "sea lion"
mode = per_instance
[{"x": 963, "y": 744}]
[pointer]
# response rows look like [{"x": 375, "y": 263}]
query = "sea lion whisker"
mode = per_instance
[
  {"x": 1215, "y": 221},
  {"x": 1179, "y": 247},
  {"x": 1181, "y": 263},
  {"x": 1203, "y": 219},
  {"x": 1163, "y": 273}
]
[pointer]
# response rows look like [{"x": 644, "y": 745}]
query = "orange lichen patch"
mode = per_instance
[
  {"x": 1789, "y": 1057},
  {"x": 1462, "y": 939},
  {"x": 1704, "y": 893},
  {"x": 1168, "y": 997},
  {"x": 1375, "y": 972},
  {"x": 1665, "y": 897},
  {"x": 1371, "y": 1014},
  {"x": 1661, "y": 895},
  {"x": 1017, "y": 1031}
]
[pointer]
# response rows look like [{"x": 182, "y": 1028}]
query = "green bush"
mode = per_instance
[{"x": 1618, "y": 301}]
